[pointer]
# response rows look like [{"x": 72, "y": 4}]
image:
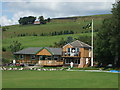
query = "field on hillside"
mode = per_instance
[
  {"x": 59, "y": 79},
  {"x": 40, "y": 41},
  {"x": 36, "y": 41},
  {"x": 76, "y": 25},
  {"x": 56, "y": 25}
]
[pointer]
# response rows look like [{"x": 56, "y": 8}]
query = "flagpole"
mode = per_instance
[{"x": 92, "y": 45}]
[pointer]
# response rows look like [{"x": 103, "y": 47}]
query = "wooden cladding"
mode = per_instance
[
  {"x": 83, "y": 52},
  {"x": 42, "y": 62},
  {"x": 44, "y": 52},
  {"x": 51, "y": 62},
  {"x": 27, "y": 61},
  {"x": 67, "y": 46}
]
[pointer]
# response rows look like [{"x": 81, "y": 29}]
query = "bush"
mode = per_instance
[
  {"x": 4, "y": 49},
  {"x": 4, "y": 60}
]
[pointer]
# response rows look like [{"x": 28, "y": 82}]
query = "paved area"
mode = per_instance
[{"x": 96, "y": 71}]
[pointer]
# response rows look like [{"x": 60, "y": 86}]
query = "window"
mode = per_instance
[
  {"x": 41, "y": 57},
  {"x": 49, "y": 57},
  {"x": 77, "y": 49},
  {"x": 55, "y": 57},
  {"x": 32, "y": 57},
  {"x": 21, "y": 57},
  {"x": 68, "y": 61},
  {"x": 73, "y": 50},
  {"x": 16, "y": 57},
  {"x": 68, "y": 49},
  {"x": 76, "y": 61}
]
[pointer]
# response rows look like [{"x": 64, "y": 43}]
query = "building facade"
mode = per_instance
[{"x": 77, "y": 52}]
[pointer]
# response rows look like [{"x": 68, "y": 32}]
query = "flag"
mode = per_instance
[{"x": 88, "y": 26}]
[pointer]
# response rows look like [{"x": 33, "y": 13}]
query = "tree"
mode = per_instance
[
  {"x": 3, "y": 49},
  {"x": 5, "y": 28},
  {"x": 48, "y": 19},
  {"x": 15, "y": 46},
  {"x": 31, "y": 19},
  {"x": 27, "y": 20},
  {"x": 23, "y": 21},
  {"x": 61, "y": 43},
  {"x": 4, "y": 60},
  {"x": 108, "y": 39},
  {"x": 41, "y": 19},
  {"x": 69, "y": 39}
]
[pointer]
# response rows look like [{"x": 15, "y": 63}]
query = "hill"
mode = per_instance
[{"x": 57, "y": 24}]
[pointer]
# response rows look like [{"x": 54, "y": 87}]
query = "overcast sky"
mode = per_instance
[{"x": 12, "y": 11}]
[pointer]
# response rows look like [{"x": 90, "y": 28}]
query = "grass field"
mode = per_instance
[
  {"x": 56, "y": 25},
  {"x": 40, "y": 41},
  {"x": 59, "y": 79}
]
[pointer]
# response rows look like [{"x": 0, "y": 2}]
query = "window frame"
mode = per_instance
[
  {"x": 77, "y": 49},
  {"x": 49, "y": 57},
  {"x": 22, "y": 57},
  {"x": 31, "y": 57},
  {"x": 56, "y": 57}
]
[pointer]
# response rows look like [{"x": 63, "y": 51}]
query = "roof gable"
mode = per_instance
[
  {"x": 67, "y": 44},
  {"x": 80, "y": 44},
  {"x": 44, "y": 51}
]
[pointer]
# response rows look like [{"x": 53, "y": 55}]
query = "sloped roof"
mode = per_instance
[
  {"x": 34, "y": 50},
  {"x": 55, "y": 51},
  {"x": 80, "y": 44}
]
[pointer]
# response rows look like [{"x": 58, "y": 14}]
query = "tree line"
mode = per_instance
[
  {"x": 45, "y": 34},
  {"x": 107, "y": 50},
  {"x": 31, "y": 19},
  {"x": 69, "y": 39}
]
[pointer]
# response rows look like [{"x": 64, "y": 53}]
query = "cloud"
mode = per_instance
[
  {"x": 52, "y": 9},
  {"x": 5, "y": 21},
  {"x": 59, "y": 1}
]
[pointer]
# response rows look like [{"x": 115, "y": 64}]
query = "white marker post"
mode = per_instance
[{"x": 92, "y": 45}]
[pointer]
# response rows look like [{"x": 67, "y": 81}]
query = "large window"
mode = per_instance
[
  {"x": 21, "y": 57},
  {"x": 68, "y": 61},
  {"x": 69, "y": 49},
  {"x": 73, "y": 50},
  {"x": 42, "y": 57},
  {"x": 56, "y": 57},
  {"x": 33, "y": 57},
  {"x": 77, "y": 49},
  {"x": 76, "y": 61},
  {"x": 49, "y": 57}
]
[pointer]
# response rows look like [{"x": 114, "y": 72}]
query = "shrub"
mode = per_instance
[
  {"x": 4, "y": 60},
  {"x": 3, "y": 49}
]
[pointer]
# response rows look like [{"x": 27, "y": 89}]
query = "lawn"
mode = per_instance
[{"x": 59, "y": 79}]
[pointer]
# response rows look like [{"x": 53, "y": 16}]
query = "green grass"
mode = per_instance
[
  {"x": 36, "y": 41},
  {"x": 39, "y": 41},
  {"x": 59, "y": 79},
  {"x": 56, "y": 25}
]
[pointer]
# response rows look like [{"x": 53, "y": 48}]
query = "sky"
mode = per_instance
[{"x": 14, "y": 9}]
